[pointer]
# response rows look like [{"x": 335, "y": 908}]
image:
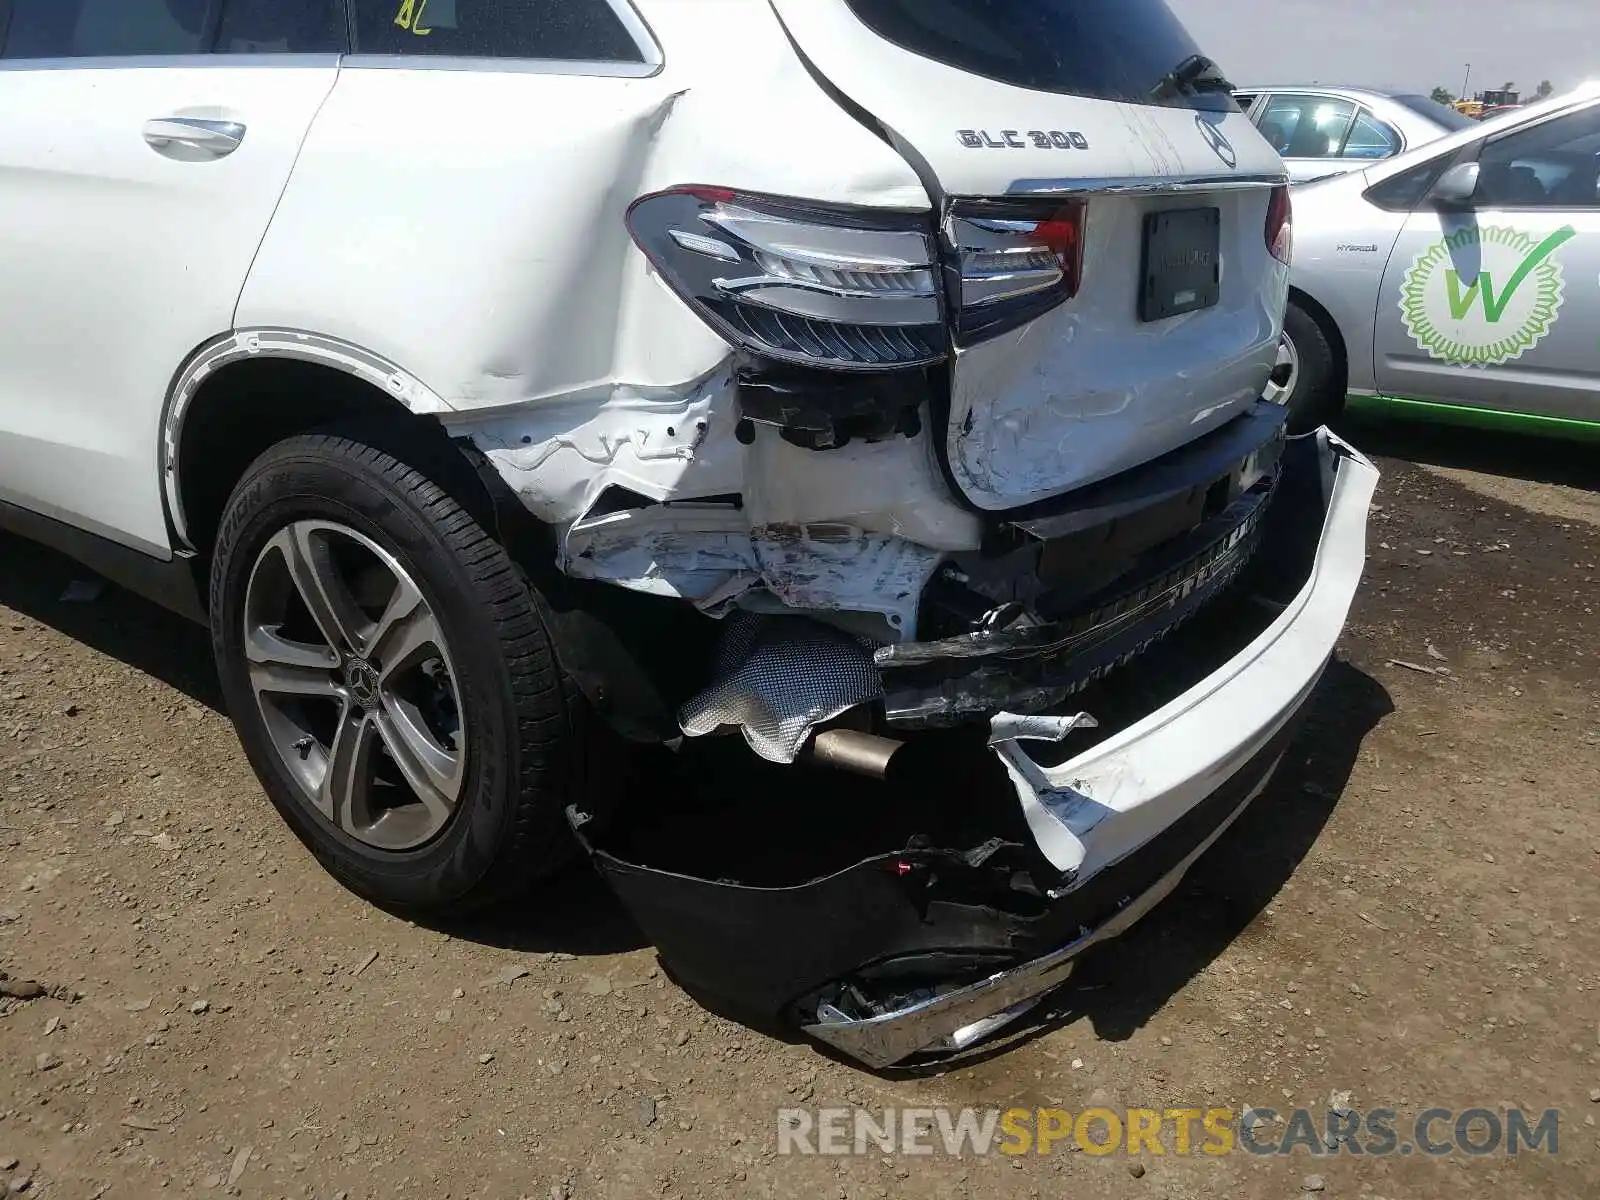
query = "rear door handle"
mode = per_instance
[{"x": 173, "y": 136}]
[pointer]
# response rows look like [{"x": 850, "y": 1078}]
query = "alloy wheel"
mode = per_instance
[
  {"x": 1285, "y": 373},
  {"x": 355, "y": 685}
]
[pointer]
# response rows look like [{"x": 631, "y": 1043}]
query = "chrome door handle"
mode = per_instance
[{"x": 214, "y": 138}]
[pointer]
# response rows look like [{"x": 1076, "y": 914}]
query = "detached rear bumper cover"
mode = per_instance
[
  {"x": 1144, "y": 805},
  {"x": 1090, "y": 812}
]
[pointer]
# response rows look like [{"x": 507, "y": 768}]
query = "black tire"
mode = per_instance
[
  {"x": 522, "y": 729},
  {"x": 1317, "y": 398}
]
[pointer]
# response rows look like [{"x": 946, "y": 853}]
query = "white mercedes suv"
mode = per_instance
[{"x": 509, "y": 383}]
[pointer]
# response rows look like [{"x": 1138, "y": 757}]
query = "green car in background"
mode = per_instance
[{"x": 1459, "y": 281}]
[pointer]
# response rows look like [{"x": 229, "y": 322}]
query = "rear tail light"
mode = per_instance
[
  {"x": 1280, "y": 226},
  {"x": 847, "y": 289},
  {"x": 1012, "y": 262}
]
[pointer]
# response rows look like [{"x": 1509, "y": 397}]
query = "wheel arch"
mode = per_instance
[
  {"x": 1330, "y": 330},
  {"x": 242, "y": 391}
]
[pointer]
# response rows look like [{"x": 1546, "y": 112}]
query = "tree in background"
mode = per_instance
[
  {"x": 1544, "y": 89},
  {"x": 1443, "y": 96}
]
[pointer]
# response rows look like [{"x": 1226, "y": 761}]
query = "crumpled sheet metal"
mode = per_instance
[
  {"x": 777, "y": 679},
  {"x": 1018, "y": 727},
  {"x": 709, "y": 555}
]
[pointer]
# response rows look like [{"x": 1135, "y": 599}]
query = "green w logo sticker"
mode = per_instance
[
  {"x": 1511, "y": 304},
  {"x": 1494, "y": 306}
]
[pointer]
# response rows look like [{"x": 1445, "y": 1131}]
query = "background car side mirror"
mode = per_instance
[{"x": 1458, "y": 185}]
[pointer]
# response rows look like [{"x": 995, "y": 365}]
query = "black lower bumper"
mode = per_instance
[
  {"x": 898, "y": 922},
  {"x": 891, "y": 920}
]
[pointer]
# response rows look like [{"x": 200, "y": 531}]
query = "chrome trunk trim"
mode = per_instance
[{"x": 1146, "y": 185}]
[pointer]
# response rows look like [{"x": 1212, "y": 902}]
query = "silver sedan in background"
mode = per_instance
[
  {"x": 1320, "y": 131},
  {"x": 1461, "y": 278}
]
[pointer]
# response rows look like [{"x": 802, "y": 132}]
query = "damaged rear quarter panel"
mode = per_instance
[
  {"x": 498, "y": 269},
  {"x": 499, "y": 272}
]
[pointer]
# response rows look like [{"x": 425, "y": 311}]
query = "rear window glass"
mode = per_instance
[
  {"x": 1104, "y": 49},
  {"x": 1441, "y": 114},
  {"x": 572, "y": 30}
]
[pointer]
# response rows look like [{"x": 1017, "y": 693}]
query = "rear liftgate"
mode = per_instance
[{"x": 912, "y": 915}]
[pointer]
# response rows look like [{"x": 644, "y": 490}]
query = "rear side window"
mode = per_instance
[
  {"x": 103, "y": 28},
  {"x": 572, "y": 30},
  {"x": 1371, "y": 138},
  {"x": 1102, "y": 49},
  {"x": 116, "y": 28},
  {"x": 1307, "y": 126}
]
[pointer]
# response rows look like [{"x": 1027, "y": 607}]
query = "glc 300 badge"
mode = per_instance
[
  {"x": 1016, "y": 139},
  {"x": 1502, "y": 313}
]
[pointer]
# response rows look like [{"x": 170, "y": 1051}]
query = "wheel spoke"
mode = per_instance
[
  {"x": 434, "y": 773},
  {"x": 279, "y": 666},
  {"x": 312, "y": 572},
  {"x": 346, "y": 791},
  {"x": 404, "y": 640},
  {"x": 407, "y": 642},
  {"x": 401, "y": 610}
]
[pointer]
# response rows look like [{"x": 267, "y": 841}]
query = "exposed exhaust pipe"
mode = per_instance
[{"x": 853, "y": 751}]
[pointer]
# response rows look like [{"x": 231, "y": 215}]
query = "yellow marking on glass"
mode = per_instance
[{"x": 411, "y": 15}]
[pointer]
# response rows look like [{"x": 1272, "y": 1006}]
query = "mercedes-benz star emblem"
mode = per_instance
[
  {"x": 362, "y": 681},
  {"x": 1215, "y": 139}
]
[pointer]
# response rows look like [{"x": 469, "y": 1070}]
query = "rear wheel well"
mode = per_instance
[
  {"x": 612, "y": 644},
  {"x": 249, "y": 406},
  {"x": 1330, "y": 330}
]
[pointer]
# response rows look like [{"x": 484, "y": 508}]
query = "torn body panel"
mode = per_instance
[
  {"x": 663, "y": 493},
  {"x": 560, "y": 456},
  {"x": 710, "y": 555}
]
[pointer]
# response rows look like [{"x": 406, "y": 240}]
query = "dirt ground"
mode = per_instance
[{"x": 1409, "y": 914}]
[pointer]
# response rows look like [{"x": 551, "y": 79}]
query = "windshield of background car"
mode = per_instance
[
  {"x": 1101, "y": 49},
  {"x": 1441, "y": 115}
]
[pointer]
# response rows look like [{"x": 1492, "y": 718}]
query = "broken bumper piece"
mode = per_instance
[
  {"x": 916, "y": 951},
  {"x": 954, "y": 1019}
]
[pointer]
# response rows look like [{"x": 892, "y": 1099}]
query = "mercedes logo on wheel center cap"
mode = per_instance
[
  {"x": 362, "y": 681},
  {"x": 1218, "y": 142}
]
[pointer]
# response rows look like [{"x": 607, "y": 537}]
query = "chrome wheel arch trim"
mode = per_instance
[{"x": 222, "y": 351}]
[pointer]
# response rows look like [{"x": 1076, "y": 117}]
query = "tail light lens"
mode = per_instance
[
  {"x": 1012, "y": 262},
  {"x": 1280, "y": 226},
  {"x": 846, "y": 289}
]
